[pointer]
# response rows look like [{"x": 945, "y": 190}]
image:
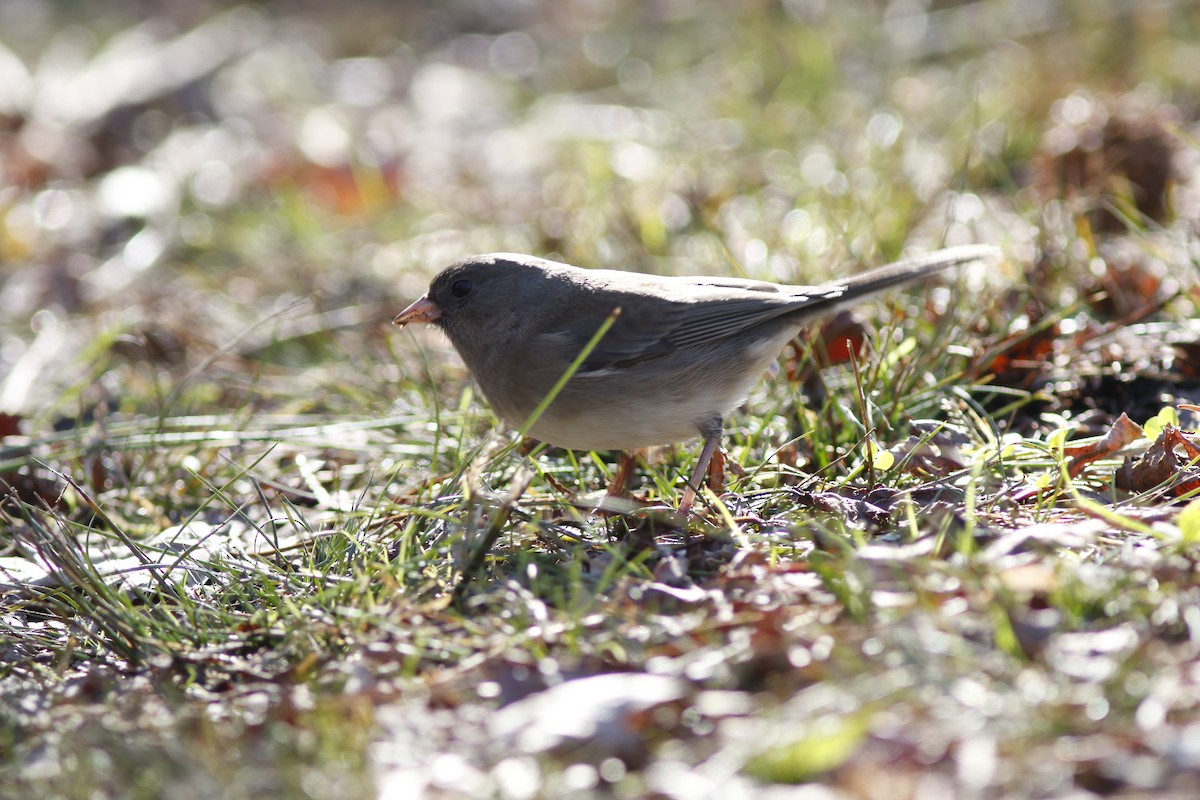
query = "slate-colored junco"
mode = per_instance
[{"x": 680, "y": 354}]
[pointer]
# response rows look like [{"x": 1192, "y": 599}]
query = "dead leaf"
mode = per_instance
[
  {"x": 1023, "y": 358},
  {"x": 10, "y": 425},
  {"x": 1160, "y": 466},
  {"x": 1122, "y": 433},
  {"x": 853, "y": 510},
  {"x": 838, "y": 341},
  {"x": 932, "y": 456}
]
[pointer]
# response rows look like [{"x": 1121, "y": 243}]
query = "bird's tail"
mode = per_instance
[{"x": 910, "y": 269}]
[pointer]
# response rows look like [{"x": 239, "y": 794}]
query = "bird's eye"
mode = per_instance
[{"x": 460, "y": 288}]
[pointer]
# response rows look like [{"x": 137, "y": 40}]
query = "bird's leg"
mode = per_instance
[
  {"x": 712, "y": 431},
  {"x": 626, "y": 463},
  {"x": 716, "y": 471}
]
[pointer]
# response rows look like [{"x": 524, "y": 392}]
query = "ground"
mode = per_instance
[{"x": 258, "y": 542}]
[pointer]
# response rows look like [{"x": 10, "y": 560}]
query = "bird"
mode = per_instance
[{"x": 667, "y": 357}]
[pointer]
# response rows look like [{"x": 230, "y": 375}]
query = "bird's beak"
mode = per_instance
[{"x": 423, "y": 310}]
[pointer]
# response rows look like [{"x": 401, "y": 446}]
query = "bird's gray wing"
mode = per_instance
[
  {"x": 706, "y": 322},
  {"x": 689, "y": 311},
  {"x": 637, "y": 337}
]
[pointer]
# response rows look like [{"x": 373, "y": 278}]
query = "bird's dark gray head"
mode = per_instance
[
  {"x": 481, "y": 292},
  {"x": 495, "y": 297}
]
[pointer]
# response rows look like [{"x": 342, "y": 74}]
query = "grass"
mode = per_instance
[{"x": 259, "y": 543}]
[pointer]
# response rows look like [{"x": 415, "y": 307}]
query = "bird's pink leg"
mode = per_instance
[
  {"x": 626, "y": 463},
  {"x": 712, "y": 442},
  {"x": 716, "y": 471}
]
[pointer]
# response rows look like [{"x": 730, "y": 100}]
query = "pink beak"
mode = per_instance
[{"x": 423, "y": 310}]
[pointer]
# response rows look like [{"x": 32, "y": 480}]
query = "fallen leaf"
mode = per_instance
[
  {"x": 10, "y": 425},
  {"x": 1160, "y": 466},
  {"x": 933, "y": 456},
  {"x": 837, "y": 341},
  {"x": 1021, "y": 359},
  {"x": 1123, "y": 432}
]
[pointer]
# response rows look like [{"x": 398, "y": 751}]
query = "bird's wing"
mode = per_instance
[
  {"x": 635, "y": 337},
  {"x": 698, "y": 310},
  {"x": 706, "y": 322}
]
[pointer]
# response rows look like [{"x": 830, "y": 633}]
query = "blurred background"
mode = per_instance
[{"x": 243, "y": 195}]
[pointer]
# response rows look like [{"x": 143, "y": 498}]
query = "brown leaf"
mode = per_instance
[
  {"x": 837, "y": 341},
  {"x": 1128, "y": 290},
  {"x": 933, "y": 456},
  {"x": 1187, "y": 361},
  {"x": 1160, "y": 466},
  {"x": 849, "y": 508},
  {"x": 1022, "y": 358},
  {"x": 10, "y": 425},
  {"x": 1122, "y": 433}
]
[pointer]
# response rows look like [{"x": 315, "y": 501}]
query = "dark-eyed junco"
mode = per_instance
[{"x": 679, "y": 355}]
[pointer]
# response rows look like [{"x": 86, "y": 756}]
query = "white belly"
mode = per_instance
[{"x": 603, "y": 412}]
